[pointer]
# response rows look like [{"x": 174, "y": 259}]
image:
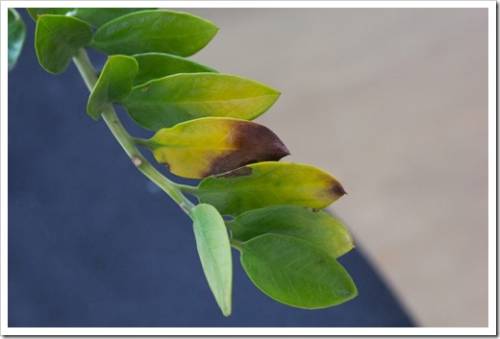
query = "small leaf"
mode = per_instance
[
  {"x": 114, "y": 83},
  {"x": 291, "y": 271},
  {"x": 99, "y": 16},
  {"x": 36, "y": 12},
  {"x": 269, "y": 183},
  {"x": 201, "y": 147},
  {"x": 159, "y": 65},
  {"x": 17, "y": 34},
  {"x": 176, "y": 98},
  {"x": 214, "y": 249},
  {"x": 57, "y": 40},
  {"x": 318, "y": 228},
  {"x": 154, "y": 31}
]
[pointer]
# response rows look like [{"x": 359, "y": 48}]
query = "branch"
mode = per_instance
[{"x": 113, "y": 122}]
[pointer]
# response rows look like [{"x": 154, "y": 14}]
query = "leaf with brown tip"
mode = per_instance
[
  {"x": 267, "y": 184},
  {"x": 206, "y": 146}
]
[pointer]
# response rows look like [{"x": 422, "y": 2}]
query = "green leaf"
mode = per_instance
[
  {"x": 291, "y": 271},
  {"x": 36, "y": 12},
  {"x": 99, "y": 16},
  {"x": 159, "y": 65},
  {"x": 269, "y": 183},
  {"x": 57, "y": 40},
  {"x": 176, "y": 98},
  {"x": 94, "y": 16},
  {"x": 318, "y": 228},
  {"x": 114, "y": 83},
  {"x": 154, "y": 31},
  {"x": 214, "y": 249},
  {"x": 201, "y": 147},
  {"x": 17, "y": 34}
]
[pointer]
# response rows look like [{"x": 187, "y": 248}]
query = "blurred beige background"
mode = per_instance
[{"x": 394, "y": 103}]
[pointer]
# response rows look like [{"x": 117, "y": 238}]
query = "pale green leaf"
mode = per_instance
[
  {"x": 17, "y": 34},
  {"x": 214, "y": 249}
]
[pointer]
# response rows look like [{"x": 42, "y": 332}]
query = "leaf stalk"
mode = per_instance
[{"x": 88, "y": 73}]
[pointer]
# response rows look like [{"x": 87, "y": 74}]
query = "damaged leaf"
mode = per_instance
[
  {"x": 159, "y": 65},
  {"x": 206, "y": 146},
  {"x": 293, "y": 272},
  {"x": 114, "y": 83},
  {"x": 269, "y": 183},
  {"x": 57, "y": 40},
  {"x": 318, "y": 228},
  {"x": 176, "y": 98},
  {"x": 161, "y": 31}
]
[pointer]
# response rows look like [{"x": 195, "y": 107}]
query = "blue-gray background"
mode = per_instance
[{"x": 92, "y": 243}]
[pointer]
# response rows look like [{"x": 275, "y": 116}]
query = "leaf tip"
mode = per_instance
[
  {"x": 337, "y": 189},
  {"x": 226, "y": 311}
]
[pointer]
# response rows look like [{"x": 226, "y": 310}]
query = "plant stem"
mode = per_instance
[
  {"x": 116, "y": 127},
  {"x": 236, "y": 244}
]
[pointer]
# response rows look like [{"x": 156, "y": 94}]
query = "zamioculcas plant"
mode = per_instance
[{"x": 200, "y": 119}]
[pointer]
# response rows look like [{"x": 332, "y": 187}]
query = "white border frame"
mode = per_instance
[{"x": 295, "y": 331}]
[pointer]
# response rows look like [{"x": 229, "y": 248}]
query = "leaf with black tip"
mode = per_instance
[
  {"x": 214, "y": 249},
  {"x": 318, "y": 228},
  {"x": 158, "y": 65},
  {"x": 180, "y": 97},
  {"x": 206, "y": 146},
  {"x": 17, "y": 34},
  {"x": 114, "y": 83},
  {"x": 58, "y": 38},
  {"x": 160, "y": 31},
  {"x": 267, "y": 184},
  {"x": 295, "y": 273}
]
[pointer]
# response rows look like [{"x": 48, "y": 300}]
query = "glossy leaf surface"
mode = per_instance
[
  {"x": 159, "y": 65},
  {"x": 94, "y": 16},
  {"x": 57, "y": 40},
  {"x": 201, "y": 147},
  {"x": 36, "y": 12},
  {"x": 295, "y": 273},
  {"x": 99, "y": 16},
  {"x": 114, "y": 83},
  {"x": 17, "y": 34},
  {"x": 269, "y": 183},
  {"x": 154, "y": 31},
  {"x": 318, "y": 228},
  {"x": 176, "y": 98},
  {"x": 214, "y": 249}
]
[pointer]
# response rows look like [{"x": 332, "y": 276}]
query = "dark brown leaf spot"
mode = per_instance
[
  {"x": 253, "y": 143},
  {"x": 337, "y": 189}
]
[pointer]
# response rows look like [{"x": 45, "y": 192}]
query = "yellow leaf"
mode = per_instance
[{"x": 206, "y": 146}]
